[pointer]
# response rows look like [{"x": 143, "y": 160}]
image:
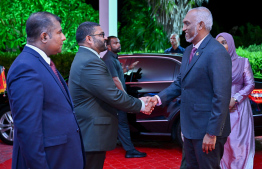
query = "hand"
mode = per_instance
[
  {"x": 209, "y": 143},
  {"x": 149, "y": 105},
  {"x": 154, "y": 100},
  {"x": 133, "y": 65},
  {"x": 232, "y": 103}
]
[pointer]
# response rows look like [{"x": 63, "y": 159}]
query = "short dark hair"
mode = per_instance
[
  {"x": 84, "y": 29},
  {"x": 108, "y": 42},
  {"x": 39, "y": 22}
]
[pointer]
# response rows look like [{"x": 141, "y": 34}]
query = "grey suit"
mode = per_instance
[
  {"x": 205, "y": 88},
  {"x": 96, "y": 100}
]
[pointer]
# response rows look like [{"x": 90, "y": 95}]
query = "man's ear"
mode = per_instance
[
  {"x": 88, "y": 39},
  {"x": 44, "y": 36},
  {"x": 109, "y": 47},
  {"x": 201, "y": 25}
]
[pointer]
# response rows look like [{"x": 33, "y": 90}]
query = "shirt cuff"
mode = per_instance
[
  {"x": 159, "y": 100},
  {"x": 143, "y": 106}
]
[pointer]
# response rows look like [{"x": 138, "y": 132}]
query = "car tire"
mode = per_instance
[
  {"x": 177, "y": 133},
  {"x": 6, "y": 126}
]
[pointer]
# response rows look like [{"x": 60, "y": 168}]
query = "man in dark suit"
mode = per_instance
[
  {"x": 116, "y": 71},
  {"x": 96, "y": 97},
  {"x": 46, "y": 133},
  {"x": 204, "y": 84}
]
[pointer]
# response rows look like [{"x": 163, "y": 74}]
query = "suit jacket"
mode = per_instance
[
  {"x": 46, "y": 133},
  {"x": 205, "y": 88},
  {"x": 96, "y": 100}
]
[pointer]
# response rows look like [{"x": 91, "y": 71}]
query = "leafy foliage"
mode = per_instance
[
  {"x": 254, "y": 55},
  {"x": 170, "y": 13},
  {"x": 248, "y": 34},
  {"x": 14, "y": 14},
  {"x": 62, "y": 61},
  {"x": 141, "y": 31}
]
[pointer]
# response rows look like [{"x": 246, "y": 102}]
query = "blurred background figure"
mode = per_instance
[
  {"x": 175, "y": 42},
  {"x": 117, "y": 73},
  {"x": 239, "y": 149}
]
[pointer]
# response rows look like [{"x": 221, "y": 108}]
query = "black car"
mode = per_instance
[{"x": 153, "y": 73}]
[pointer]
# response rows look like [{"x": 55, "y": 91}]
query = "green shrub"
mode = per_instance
[
  {"x": 62, "y": 61},
  {"x": 255, "y": 58},
  {"x": 13, "y": 16}
]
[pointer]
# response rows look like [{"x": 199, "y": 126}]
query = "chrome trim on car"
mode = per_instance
[
  {"x": 146, "y": 121},
  {"x": 132, "y": 56},
  {"x": 150, "y": 82},
  {"x": 155, "y": 134}
]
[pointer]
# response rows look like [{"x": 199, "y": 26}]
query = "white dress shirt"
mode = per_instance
[{"x": 42, "y": 53}]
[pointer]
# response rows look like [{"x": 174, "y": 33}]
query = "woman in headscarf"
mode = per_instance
[{"x": 239, "y": 149}]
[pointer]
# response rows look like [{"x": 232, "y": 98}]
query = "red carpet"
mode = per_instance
[{"x": 160, "y": 155}]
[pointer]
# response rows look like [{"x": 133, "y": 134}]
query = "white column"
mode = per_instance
[{"x": 108, "y": 18}]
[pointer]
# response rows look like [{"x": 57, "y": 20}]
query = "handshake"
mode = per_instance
[{"x": 150, "y": 103}]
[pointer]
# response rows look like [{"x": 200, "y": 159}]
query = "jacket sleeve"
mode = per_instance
[
  {"x": 249, "y": 83},
  {"x": 220, "y": 73},
  {"x": 171, "y": 92},
  {"x": 25, "y": 92},
  {"x": 96, "y": 79}
]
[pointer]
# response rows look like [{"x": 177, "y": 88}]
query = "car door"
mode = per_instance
[{"x": 151, "y": 75}]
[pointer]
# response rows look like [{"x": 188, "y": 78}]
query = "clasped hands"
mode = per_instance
[{"x": 150, "y": 103}]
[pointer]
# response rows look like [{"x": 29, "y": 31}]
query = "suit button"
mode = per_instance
[{"x": 77, "y": 130}]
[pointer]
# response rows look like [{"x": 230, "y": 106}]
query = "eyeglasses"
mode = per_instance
[{"x": 101, "y": 35}]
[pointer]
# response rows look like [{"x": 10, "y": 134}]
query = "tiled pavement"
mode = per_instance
[{"x": 160, "y": 155}]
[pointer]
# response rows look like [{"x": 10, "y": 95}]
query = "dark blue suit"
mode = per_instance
[
  {"x": 46, "y": 134},
  {"x": 205, "y": 88}
]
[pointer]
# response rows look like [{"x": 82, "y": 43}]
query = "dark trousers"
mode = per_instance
[
  {"x": 95, "y": 159},
  {"x": 197, "y": 159},
  {"x": 124, "y": 132},
  {"x": 183, "y": 161}
]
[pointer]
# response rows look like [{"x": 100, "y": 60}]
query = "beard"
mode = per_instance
[
  {"x": 100, "y": 45},
  {"x": 193, "y": 37},
  {"x": 116, "y": 50}
]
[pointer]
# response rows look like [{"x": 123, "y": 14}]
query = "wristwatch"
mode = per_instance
[{"x": 235, "y": 100}]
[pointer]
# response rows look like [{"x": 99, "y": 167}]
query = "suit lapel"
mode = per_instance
[
  {"x": 55, "y": 78},
  {"x": 187, "y": 67},
  {"x": 33, "y": 52}
]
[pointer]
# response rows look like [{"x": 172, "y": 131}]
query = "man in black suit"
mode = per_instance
[
  {"x": 204, "y": 84},
  {"x": 96, "y": 97},
  {"x": 116, "y": 71}
]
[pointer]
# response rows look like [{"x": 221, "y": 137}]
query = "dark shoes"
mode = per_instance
[{"x": 134, "y": 154}]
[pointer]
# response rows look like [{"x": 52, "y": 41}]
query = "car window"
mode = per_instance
[{"x": 152, "y": 69}]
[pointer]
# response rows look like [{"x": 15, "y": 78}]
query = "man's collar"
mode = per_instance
[
  {"x": 42, "y": 53},
  {"x": 92, "y": 50},
  {"x": 199, "y": 43},
  {"x": 113, "y": 54}
]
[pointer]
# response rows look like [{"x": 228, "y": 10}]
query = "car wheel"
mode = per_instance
[
  {"x": 177, "y": 133},
  {"x": 6, "y": 126}
]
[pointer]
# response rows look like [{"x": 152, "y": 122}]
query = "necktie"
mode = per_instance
[
  {"x": 192, "y": 54},
  {"x": 52, "y": 65}
]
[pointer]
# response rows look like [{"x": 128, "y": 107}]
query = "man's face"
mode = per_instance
[
  {"x": 115, "y": 45},
  {"x": 55, "y": 42},
  {"x": 99, "y": 40},
  {"x": 190, "y": 26},
  {"x": 173, "y": 40}
]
